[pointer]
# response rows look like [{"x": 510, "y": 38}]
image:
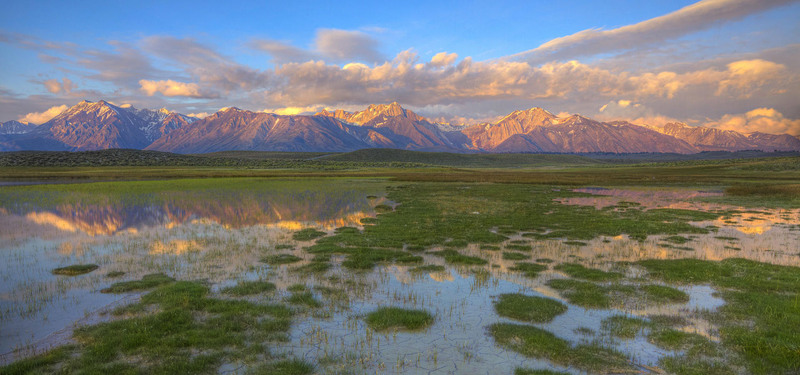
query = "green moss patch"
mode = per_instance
[
  {"x": 278, "y": 259},
  {"x": 307, "y": 234},
  {"x": 75, "y": 269},
  {"x": 528, "y": 269},
  {"x": 147, "y": 282},
  {"x": 539, "y": 343},
  {"x": 580, "y": 272},
  {"x": 530, "y": 309},
  {"x": 386, "y": 318},
  {"x": 246, "y": 288}
]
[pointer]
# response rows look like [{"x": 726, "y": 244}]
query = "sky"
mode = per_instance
[{"x": 728, "y": 64}]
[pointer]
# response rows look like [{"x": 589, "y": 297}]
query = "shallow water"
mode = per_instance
[{"x": 219, "y": 236}]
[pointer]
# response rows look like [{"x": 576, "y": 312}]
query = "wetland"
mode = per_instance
[{"x": 411, "y": 271}]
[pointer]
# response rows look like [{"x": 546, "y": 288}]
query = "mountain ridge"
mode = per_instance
[{"x": 103, "y": 125}]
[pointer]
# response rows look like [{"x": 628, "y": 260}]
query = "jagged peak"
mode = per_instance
[{"x": 164, "y": 111}]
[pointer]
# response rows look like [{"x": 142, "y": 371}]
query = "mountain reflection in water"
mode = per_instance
[{"x": 283, "y": 208}]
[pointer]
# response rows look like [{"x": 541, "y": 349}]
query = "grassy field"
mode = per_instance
[{"x": 482, "y": 217}]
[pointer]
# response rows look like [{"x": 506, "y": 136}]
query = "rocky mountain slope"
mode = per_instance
[{"x": 102, "y": 125}]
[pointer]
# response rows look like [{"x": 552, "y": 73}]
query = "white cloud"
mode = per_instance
[
  {"x": 56, "y": 87},
  {"x": 42, "y": 117},
  {"x": 200, "y": 115},
  {"x": 170, "y": 88},
  {"x": 689, "y": 19},
  {"x": 765, "y": 120}
]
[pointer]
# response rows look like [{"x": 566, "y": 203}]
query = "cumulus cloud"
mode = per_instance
[
  {"x": 442, "y": 59},
  {"x": 200, "y": 115},
  {"x": 205, "y": 65},
  {"x": 170, "y": 88},
  {"x": 42, "y": 117},
  {"x": 692, "y": 18},
  {"x": 765, "y": 120},
  {"x": 56, "y": 87}
]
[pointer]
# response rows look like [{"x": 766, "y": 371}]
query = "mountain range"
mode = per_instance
[{"x": 103, "y": 125}]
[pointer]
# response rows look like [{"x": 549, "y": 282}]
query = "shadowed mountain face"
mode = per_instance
[
  {"x": 708, "y": 139},
  {"x": 101, "y": 125}
]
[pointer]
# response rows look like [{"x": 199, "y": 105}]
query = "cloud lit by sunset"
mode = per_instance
[{"x": 728, "y": 64}]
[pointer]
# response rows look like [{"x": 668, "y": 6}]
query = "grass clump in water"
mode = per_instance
[
  {"x": 624, "y": 326},
  {"x": 147, "y": 282},
  {"x": 528, "y": 269},
  {"x": 178, "y": 329},
  {"x": 661, "y": 294},
  {"x": 284, "y": 367},
  {"x": 539, "y": 343},
  {"x": 307, "y": 234},
  {"x": 114, "y": 274},
  {"x": 246, "y": 288},
  {"x": 582, "y": 293},
  {"x": 386, "y": 318},
  {"x": 513, "y": 255},
  {"x": 75, "y": 269},
  {"x": 526, "y": 371},
  {"x": 528, "y": 308},
  {"x": 304, "y": 298},
  {"x": 760, "y": 319},
  {"x": 278, "y": 259},
  {"x": 383, "y": 208},
  {"x": 454, "y": 257},
  {"x": 580, "y": 272}
]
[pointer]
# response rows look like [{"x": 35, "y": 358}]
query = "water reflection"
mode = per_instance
[{"x": 282, "y": 208}]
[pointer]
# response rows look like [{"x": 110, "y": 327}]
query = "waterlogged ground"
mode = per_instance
[{"x": 293, "y": 275}]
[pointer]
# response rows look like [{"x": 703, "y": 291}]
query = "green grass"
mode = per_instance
[
  {"x": 178, "y": 329},
  {"x": 594, "y": 296},
  {"x": 530, "y": 309},
  {"x": 760, "y": 319},
  {"x": 582, "y": 293},
  {"x": 526, "y": 371},
  {"x": 386, "y": 318},
  {"x": 513, "y": 255},
  {"x": 454, "y": 257},
  {"x": 147, "y": 282},
  {"x": 278, "y": 259},
  {"x": 528, "y": 269},
  {"x": 114, "y": 274},
  {"x": 307, "y": 234},
  {"x": 539, "y": 343},
  {"x": 580, "y": 272},
  {"x": 624, "y": 326},
  {"x": 305, "y": 299},
  {"x": 246, "y": 288},
  {"x": 284, "y": 367},
  {"x": 75, "y": 269}
]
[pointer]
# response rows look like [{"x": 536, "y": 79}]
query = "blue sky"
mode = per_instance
[{"x": 724, "y": 63}]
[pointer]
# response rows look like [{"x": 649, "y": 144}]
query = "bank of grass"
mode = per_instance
[
  {"x": 307, "y": 234},
  {"x": 760, "y": 319},
  {"x": 147, "y": 282},
  {"x": 529, "y": 309},
  {"x": 75, "y": 269},
  {"x": 539, "y": 343},
  {"x": 176, "y": 328},
  {"x": 625, "y": 327},
  {"x": 579, "y": 271},
  {"x": 386, "y": 318},
  {"x": 246, "y": 288},
  {"x": 596, "y": 296},
  {"x": 278, "y": 259},
  {"x": 531, "y": 270}
]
